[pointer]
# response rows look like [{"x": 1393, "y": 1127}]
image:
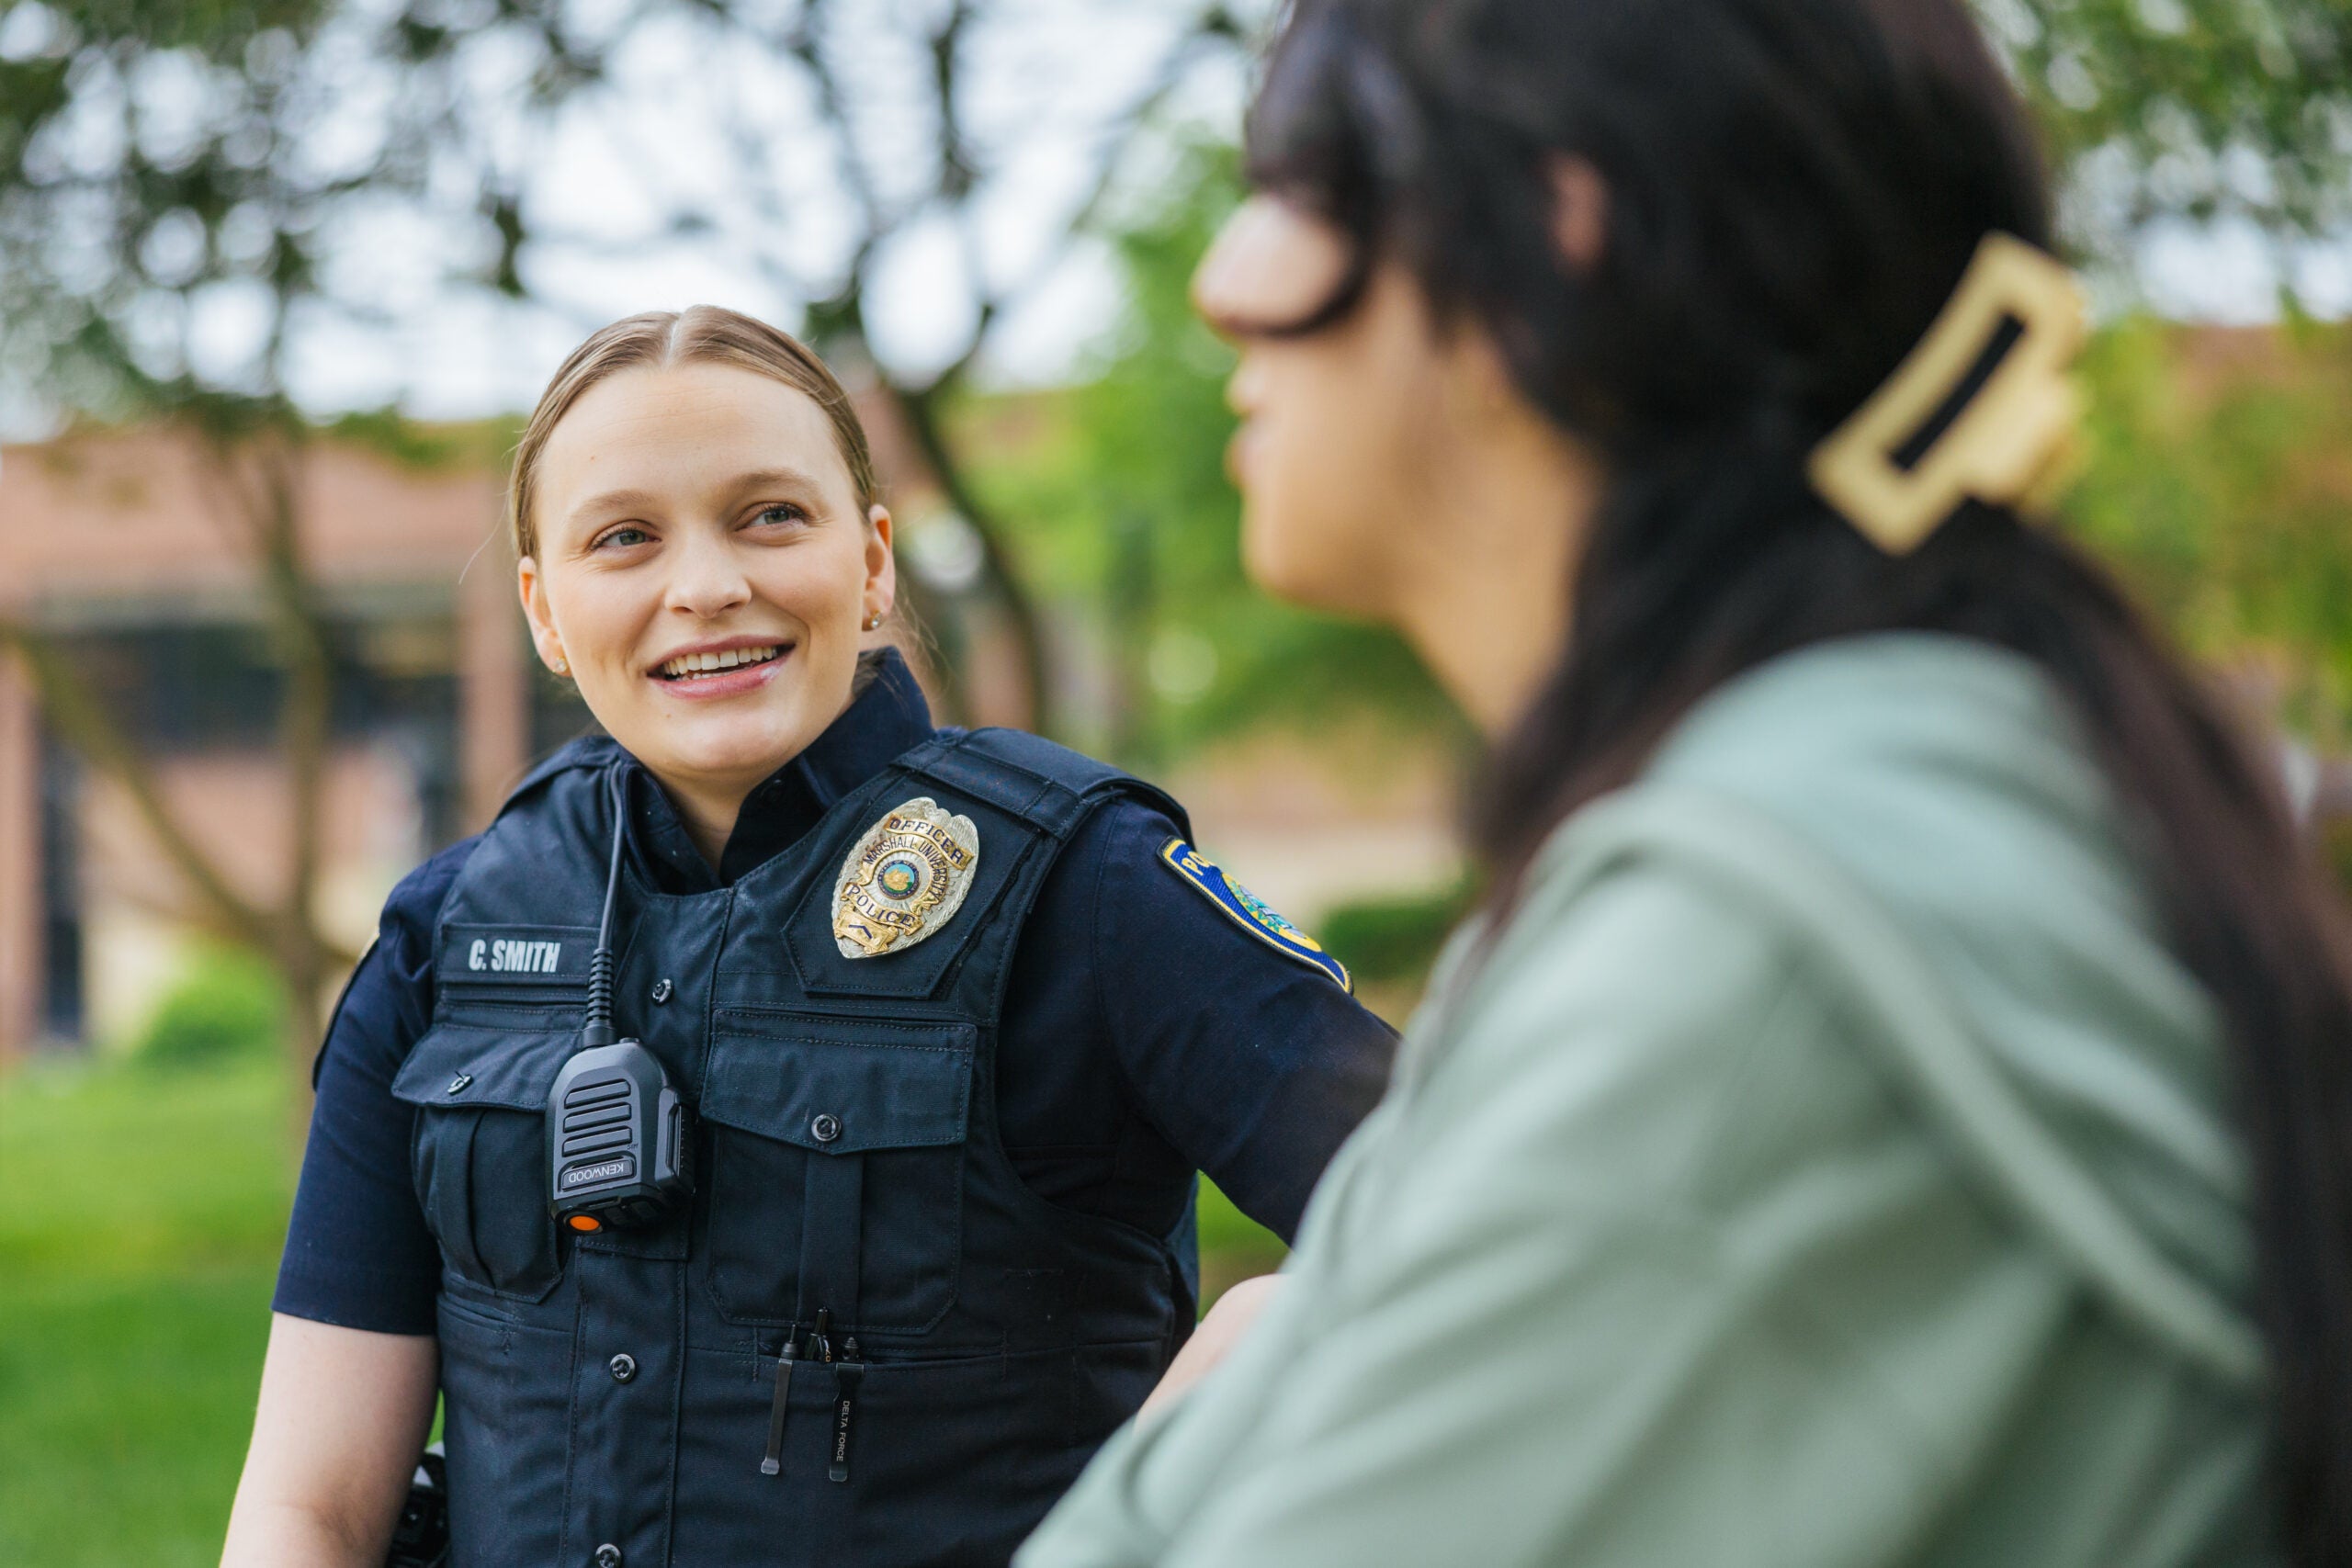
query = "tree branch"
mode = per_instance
[
  {"x": 307, "y": 715},
  {"x": 1213, "y": 24},
  {"x": 262, "y": 472},
  {"x": 82, "y": 719},
  {"x": 2332, "y": 801},
  {"x": 253, "y": 473},
  {"x": 920, "y": 412}
]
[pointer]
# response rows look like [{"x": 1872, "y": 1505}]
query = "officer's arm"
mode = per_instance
[
  {"x": 1220, "y": 1330},
  {"x": 1240, "y": 1044},
  {"x": 344, "y": 1414}
]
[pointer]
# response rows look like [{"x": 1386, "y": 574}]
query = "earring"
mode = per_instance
[
  {"x": 562, "y": 666},
  {"x": 873, "y": 621}
]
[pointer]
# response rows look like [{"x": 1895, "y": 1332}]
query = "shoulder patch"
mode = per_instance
[{"x": 1250, "y": 913}]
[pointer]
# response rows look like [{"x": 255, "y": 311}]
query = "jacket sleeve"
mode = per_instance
[
  {"x": 357, "y": 1252},
  {"x": 1253, "y": 1065},
  {"x": 1610, "y": 1284}
]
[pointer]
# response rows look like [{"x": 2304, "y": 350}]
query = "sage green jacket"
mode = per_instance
[{"x": 1827, "y": 1165}]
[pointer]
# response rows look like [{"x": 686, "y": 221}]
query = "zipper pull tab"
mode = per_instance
[
  {"x": 773, "y": 1463},
  {"x": 847, "y": 1375},
  {"x": 820, "y": 1347}
]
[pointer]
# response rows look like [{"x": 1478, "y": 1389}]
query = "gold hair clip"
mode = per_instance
[{"x": 1983, "y": 407}]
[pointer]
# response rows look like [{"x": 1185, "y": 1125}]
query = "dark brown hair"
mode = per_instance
[{"x": 1795, "y": 187}]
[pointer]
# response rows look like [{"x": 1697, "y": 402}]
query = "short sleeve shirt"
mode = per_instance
[{"x": 1146, "y": 1035}]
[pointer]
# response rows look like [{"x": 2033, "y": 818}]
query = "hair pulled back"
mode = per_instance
[
  {"x": 704, "y": 334},
  {"x": 1793, "y": 189}
]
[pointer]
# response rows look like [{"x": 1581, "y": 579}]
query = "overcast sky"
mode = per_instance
[
  {"x": 1051, "y": 78},
  {"x": 687, "y": 123}
]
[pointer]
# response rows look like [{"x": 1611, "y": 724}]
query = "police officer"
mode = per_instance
[{"x": 951, "y": 1020}]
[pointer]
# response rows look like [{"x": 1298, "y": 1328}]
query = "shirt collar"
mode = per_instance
[{"x": 886, "y": 718}]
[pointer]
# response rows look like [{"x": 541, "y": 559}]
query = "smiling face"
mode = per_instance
[{"x": 702, "y": 567}]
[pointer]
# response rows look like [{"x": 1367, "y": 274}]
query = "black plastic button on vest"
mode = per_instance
[
  {"x": 623, "y": 1367},
  {"x": 998, "y": 1341}
]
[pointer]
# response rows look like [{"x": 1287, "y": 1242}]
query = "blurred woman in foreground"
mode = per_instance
[{"x": 1895, "y": 1105}]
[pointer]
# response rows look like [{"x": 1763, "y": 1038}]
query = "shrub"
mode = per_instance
[
  {"x": 1394, "y": 941},
  {"x": 227, "y": 1005}
]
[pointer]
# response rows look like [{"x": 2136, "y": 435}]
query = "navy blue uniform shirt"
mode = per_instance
[{"x": 1146, "y": 1035}]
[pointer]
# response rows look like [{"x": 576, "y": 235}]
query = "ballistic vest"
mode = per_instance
[{"x": 610, "y": 1399}]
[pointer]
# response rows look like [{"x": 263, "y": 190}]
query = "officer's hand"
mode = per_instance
[{"x": 1214, "y": 1339}]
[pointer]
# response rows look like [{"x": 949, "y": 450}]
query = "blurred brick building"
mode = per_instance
[{"x": 118, "y": 549}]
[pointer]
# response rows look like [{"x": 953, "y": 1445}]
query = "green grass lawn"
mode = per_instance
[
  {"x": 138, "y": 1246},
  {"x": 137, "y": 1249},
  {"x": 1233, "y": 1245}
]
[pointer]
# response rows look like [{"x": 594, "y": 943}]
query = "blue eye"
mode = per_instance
[
  {"x": 782, "y": 512},
  {"x": 623, "y": 537}
]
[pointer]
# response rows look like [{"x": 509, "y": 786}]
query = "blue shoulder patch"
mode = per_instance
[{"x": 1250, "y": 913}]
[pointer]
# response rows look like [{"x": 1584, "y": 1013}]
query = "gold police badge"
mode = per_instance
[{"x": 904, "y": 880}]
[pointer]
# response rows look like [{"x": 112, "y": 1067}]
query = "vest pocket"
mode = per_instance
[
  {"x": 480, "y": 1158},
  {"x": 836, "y": 1168}
]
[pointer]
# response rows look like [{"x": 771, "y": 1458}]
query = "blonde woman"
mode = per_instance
[{"x": 775, "y": 1138}]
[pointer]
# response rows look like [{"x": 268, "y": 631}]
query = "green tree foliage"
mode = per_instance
[
  {"x": 2192, "y": 107},
  {"x": 175, "y": 176},
  {"x": 227, "y": 1005},
  {"x": 2215, "y": 480},
  {"x": 2219, "y": 482},
  {"x": 178, "y": 177}
]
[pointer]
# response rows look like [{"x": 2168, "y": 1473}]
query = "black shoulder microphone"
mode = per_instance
[{"x": 616, "y": 1131}]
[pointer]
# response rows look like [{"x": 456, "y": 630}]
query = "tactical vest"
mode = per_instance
[{"x": 609, "y": 1398}]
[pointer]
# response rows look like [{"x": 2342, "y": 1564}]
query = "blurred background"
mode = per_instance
[{"x": 280, "y": 277}]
